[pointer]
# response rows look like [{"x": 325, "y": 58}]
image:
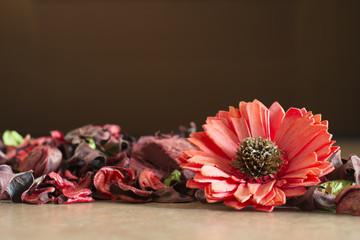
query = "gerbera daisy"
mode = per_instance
[{"x": 258, "y": 156}]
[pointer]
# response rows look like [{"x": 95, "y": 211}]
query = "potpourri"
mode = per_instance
[{"x": 249, "y": 156}]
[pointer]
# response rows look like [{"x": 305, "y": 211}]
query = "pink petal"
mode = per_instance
[
  {"x": 325, "y": 150},
  {"x": 263, "y": 190},
  {"x": 303, "y": 173},
  {"x": 193, "y": 184},
  {"x": 320, "y": 140},
  {"x": 290, "y": 117},
  {"x": 202, "y": 179},
  {"x": 204, "y": 143},
  {"x": 279, "y": 198},
  {"x": 236, "y": 204},
  {"x": 222, "y": 186},
  {"x": 269, "y": 198},
  {"x": 192, "y": 167},
  {"x": 294, "y": 192},
  {"x": 302, "y": 162},
  {"x": 211, "y": 171},
  {"x": 234, "y": 113},
  {"x": 333, "y": 149},
  {"x": 263, "y": 208},
  {"x": 253, "y": 187},
  {"x": 317, "y": 118},
  {"x": 244, "y": 112},
  {"x": 325, "y": 167},
  {"x": 265, "y": 118},
  {"x": 221, "y": 163},
  {"x": 242, "y": 194},
  {"x": 311, "y": 181},
  {"x": 224, "y": 128},
  {"x": 325, "y": 123},
  {"x": 222, "y": 140},
  {"x": 298, "y": 136},
  {"x": 241, "y": 128},
  {"x": 255, "y": 123},
  {"x": 276, "y": 117},
  {"x": 216, "y": 197}
]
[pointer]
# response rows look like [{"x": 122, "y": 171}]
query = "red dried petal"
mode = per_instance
[{"x": 147, "y": 179}]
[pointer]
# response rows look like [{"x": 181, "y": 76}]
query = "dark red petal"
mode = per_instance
[
  {"x": 147, "y": 179},
  {"x": 39, "y": 196},
  {"x": 14, "y": 183}
]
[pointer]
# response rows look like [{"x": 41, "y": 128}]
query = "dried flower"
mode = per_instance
[{"x": 258, "y": 156}]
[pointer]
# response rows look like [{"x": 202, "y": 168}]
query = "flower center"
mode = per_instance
[{"x": 258, "y": 157}]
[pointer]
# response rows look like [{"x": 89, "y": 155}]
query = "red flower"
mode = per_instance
[{"x": 258, "y": 156}]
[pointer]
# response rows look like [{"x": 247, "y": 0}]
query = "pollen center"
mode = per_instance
[{"x": 258, "y": 157}]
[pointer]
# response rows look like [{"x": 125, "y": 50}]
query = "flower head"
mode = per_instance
[{"x": 259, "y": 156}]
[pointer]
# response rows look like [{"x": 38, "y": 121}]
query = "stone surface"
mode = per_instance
[{"x": 117, "y": 220}]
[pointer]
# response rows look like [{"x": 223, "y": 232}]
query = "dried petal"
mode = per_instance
[
  {"x": 14, "y": 183},
  {"x": 85, "y": 159},
  {"x": 149, "y": 181},
  {"x": 42, "y": 160},
  {"x": 348, "y": 201}
]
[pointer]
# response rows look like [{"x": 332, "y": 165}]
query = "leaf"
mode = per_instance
[
  {"x": 335, "y": 186},
  {"x": 174, "y": 176},
  {"x": 91, "y": 143},
  {"x": 12, "y": 138}
]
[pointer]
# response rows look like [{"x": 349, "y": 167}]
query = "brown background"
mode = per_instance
[{"x": 152, "y": 65}]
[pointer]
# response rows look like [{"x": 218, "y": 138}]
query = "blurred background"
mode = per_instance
[{"x": 152, "y": 65}]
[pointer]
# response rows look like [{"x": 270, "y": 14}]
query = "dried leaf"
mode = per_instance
[
  {"x": 174, "y": 177},
  {"x": 335, "y": 186},
  {"x": 14, "y": 183},
  {"x": 12, "y": 138}
]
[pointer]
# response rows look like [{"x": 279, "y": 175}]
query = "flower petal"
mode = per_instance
[
  {"x": 204, "y": 143},
  {"x": 222, "y": 140},
  {"x": 290, "y": 117},
  {"x": 211, "y": 171},
  {"x": 276, "y": 117},
  {"x": 279, "y": 198},
  {"x": 221, "y": 163},
  {"x": 299, "y": 135},
  {"x": 265, "y": 117},
  {"x": 263, "y": 190},
  {"x": 212, "y": 197},
  {"x": 316, "y": 143},
  {"x": 294, "y": 191},
  {"x": 253, "y": 187},
  {"x": 193, "y": 184},
  {"x": 222, "y": 186},
  {"x": 241, "y": 128},
  {"x": 242, "y": 193},
  {"x": 302, "y": 162},
  {"x": 263, "y": 208},
  {"x": 225, "y": 129},
  {"x": 255, "y": 121},
  {"x": 303, "y": 173},
  {"x": 236, "y": 204}
]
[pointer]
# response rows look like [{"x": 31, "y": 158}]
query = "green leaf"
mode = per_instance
[
  {"x": 12, "y": 138},
  {"x": 91, "y": 143},
  {"x": 174, "y": 176},
  {"x": 335, "y": 186}
]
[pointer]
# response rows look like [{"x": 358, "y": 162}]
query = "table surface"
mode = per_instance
[{"x": 116, "y": 219}]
